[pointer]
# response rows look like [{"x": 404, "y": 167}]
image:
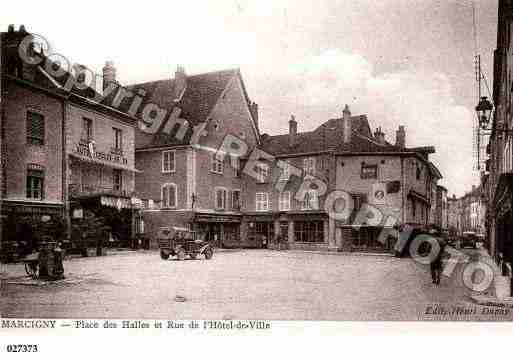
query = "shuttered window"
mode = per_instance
[
  {"x": 35, "y": 128},
  {"x": 35, "y": 179}
]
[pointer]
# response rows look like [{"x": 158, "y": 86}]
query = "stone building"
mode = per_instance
[
  {"x": 500, "y": 147},
  {"x": 191, "y": 183},
  {"x": 391, "y": 181},
  {"x": 441, "y": 216},
  {"x": 32, "y": 143},
  {"x": 63, "y": 150},
  {"x": 453, "y": 216}
]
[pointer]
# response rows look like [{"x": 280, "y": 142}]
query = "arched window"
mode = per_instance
[{"x": 169, "y": 195}]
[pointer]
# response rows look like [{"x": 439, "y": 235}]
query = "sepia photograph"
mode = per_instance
[{"x": 232, "y": 165}]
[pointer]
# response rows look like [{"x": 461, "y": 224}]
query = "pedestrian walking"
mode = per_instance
[{"x": 436, "y": 264}]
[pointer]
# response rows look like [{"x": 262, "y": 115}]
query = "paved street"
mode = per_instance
[{"x": 248, "y": 284}]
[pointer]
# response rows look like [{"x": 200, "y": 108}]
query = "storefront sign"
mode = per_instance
[
  {"x": 89, "y": 151},
  {"x": 115, "y": 202}
]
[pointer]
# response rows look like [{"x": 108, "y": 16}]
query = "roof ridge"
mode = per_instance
[{"x": 188, "y": 76}]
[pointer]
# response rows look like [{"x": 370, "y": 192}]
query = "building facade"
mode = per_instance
[
  {"x": 191, "y": 183},
  {"x": 392, "y": 184},
  {"x": 32, "y": 144},
  {"x": 441, "y": 216},
  {"x": 500, "y": 147},
  {"x": 63, "y": 152},
  {"x": 165, "y": 162}
]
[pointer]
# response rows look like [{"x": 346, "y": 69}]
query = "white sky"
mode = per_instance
[{"x": 404, "y": 62}]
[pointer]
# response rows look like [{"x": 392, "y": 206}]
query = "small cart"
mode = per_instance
[
  {"x": 180, "y": 242},
  {"x": 32, "y": 265}
]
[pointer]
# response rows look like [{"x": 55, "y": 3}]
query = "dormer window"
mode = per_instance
[
  {"x": 309, "y": 165},
  {"x": 262, "y": 170}
]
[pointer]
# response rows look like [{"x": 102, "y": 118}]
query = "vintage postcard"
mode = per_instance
[{"x": 242, "y": 166}]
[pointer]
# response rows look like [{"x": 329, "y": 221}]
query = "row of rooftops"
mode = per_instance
[{"x": 196, "y": 96}]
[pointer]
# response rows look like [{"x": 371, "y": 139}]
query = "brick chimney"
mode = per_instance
[
  {"x": 253, "y": 108},
  {"x": 379, "y": 135},
  {"x": 400, "y": 137},
  {"x": 180, "y": 82},
  {"x": 109, "y": 74},
  {"x": 292, "y": 131},
  {"x": 347, "y": 124}
]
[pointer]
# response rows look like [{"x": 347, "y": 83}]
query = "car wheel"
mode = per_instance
[
  {"x": 164, "y": 255},
  {"x": 208, "y": 253},
  {"x": 180, "y": 254}
]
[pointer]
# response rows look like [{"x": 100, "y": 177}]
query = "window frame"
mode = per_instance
[
  {"x": 88, "y": 131},
  {"x": 306, "y": 202},
  {"x": 366, "y": 166},
  {"x": 266, "y": 202},
  {"x": 285, "y": 174},
  {"x": 165, "y": 201},
  {"x": 224, "y": 198},
  {"x": 118, "y": 131},
  {"x": 262, "y": 170},
  {"x": 239, "y": 204},
  {"x": 29, "y": 188},
  {"x": 30, "y": 138},
  {"x": 282, "y": 201},
  {"x": 217, "y": 164},
  {"x": 309, "y": 232},
  {"x": 309, "y": 165},
  {"x": 170, "y": 170},
  {"x": 115, "y": 173}
]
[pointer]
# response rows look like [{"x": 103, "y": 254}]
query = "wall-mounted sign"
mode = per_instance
[
  {"x": 377, "y": 195},
  {"x": 89, "y": 151},
  {"x": 78, "y": 213}
]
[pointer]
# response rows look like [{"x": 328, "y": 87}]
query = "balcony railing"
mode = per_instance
[{"x": 81, "y": 190}]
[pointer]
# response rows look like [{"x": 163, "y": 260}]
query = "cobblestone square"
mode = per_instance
[{"x": 245, "y": 284}]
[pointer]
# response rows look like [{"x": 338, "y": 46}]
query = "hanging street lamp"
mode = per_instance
[{"x": 484, "y": 111}]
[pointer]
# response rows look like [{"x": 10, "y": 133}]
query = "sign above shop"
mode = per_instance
[
  {"x": 116, "y": 202},
  {"x": 90, "y": 152}
]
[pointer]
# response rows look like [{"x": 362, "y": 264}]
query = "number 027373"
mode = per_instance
[{"x": 22, "y": 348}]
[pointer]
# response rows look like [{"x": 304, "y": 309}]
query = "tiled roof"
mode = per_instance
[
  {"x": 328, "y": 137},
  {"x": 201, "y": 94}
]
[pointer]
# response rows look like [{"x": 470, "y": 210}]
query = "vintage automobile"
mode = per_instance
[
  {"x": 180, "y": 242},
  {"x": 469, "y": 239}
]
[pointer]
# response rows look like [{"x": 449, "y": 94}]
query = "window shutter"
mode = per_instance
[
  {"x": 165, "y": 196},
  {"x": 172, "y": 198},
  {"x": 35, "y": 128}
]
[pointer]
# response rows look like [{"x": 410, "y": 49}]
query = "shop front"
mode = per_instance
[
  {"x": 221, "y": 230},
  {"x": 299, "y": 230},
  {"x": 365, "y": 239},
  {"x": 24, "y": 223},
  {"x": 504, "y": 217},
  {"x": 102, "y": 220}
]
